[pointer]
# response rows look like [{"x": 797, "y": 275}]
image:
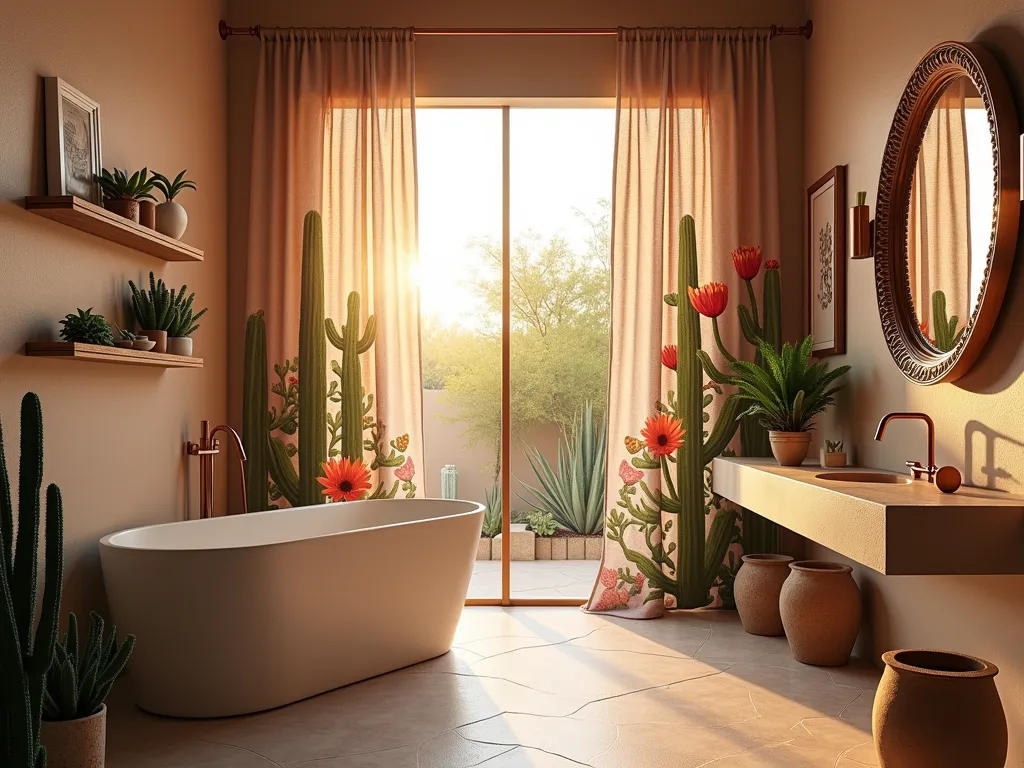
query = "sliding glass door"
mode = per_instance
[{"x": 514, "y": 276}]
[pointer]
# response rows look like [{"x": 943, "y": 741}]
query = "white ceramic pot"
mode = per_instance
[
  {"x": 77, "y": 743},
  {"x": 179, "y": 345},
  {"x": 171, "y": 219},
  {"x": 789, "y": 448}
]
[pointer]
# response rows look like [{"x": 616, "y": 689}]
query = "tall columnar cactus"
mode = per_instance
[
  {"x": 760, "y": 535},
  {"x": 24, "y": 659},
  {"x": 944, "y": 327},
  {"x": 255, "y": 416},
  {"x": 312, "y": 363},
  {"x": 351, "y": 344}
]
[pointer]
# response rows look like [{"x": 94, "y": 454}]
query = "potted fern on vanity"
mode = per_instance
[
  {"x": 74, "y": 723},
  {"x": 786, "y": 394}
]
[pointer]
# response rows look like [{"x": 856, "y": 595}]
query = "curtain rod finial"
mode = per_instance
[
  {"x": 222, "y": 27},
  {"x": 808, "y": 29}
]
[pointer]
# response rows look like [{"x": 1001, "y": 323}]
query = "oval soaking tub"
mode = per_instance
[{"x": 249, "y": 612}]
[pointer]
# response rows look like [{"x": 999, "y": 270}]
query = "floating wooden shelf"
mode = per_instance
[
  {"x": 100, "y": 354},
  {"x": 91, "y": 218}
]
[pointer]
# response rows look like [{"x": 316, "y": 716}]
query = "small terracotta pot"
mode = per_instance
[
  {"x": 160, "y": 337},
  {"x": 77, "y": 743},
  {"x": 147, "y": 214},
  {"x": 179, "y": 345},
  {"x": 789, "y": 448},
  {"x": 756, "y": 591},
  {"x": 820, "y": 608},
  {"x": 128, "y": 209},
  {"x": 940, "y": 710}
]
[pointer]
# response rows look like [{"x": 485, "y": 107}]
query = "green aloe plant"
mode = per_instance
[
  {"x": 87, "y": 328},
  {"x": 492, "y": 513},
  {"x": 77, "y": 684},
  {"x": 171, "y": 189},
  {"x": 119, "y": 185},
  {"x": 574, "y": 493},
  {"x": 184, "y": 320},
  {"x": 790, "y": 393}
]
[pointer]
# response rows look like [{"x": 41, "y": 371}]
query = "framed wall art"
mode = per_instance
[
  {"x": 73, "y": 155},
  {"x": 825, "y": 265}
]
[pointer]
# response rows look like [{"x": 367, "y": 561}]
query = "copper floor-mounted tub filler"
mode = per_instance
[{"x": 208, "y": 447}]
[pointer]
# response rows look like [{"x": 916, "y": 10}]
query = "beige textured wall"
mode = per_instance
[
  {"x": 857, "y": 65},
  {"x": 509, "y": 68},
  {"x": 113, "y": 434}
]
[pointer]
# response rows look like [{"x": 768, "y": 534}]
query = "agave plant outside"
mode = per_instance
[{"x": 492, "y": 515}]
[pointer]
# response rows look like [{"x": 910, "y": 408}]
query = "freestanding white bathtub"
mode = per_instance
[{"x": 244, "y": 613}]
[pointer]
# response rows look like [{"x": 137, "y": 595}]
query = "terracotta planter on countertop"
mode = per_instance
[
  {"x": 77, "y": 743},
  {"x": 756, "y": 590},
  {"x": 820, "y": 608},
  {"x": 937, "y": 709},
  {"x": 789, "y": 448}
]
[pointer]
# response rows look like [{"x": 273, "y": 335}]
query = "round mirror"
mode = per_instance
[{"x": 947, "y": 212}]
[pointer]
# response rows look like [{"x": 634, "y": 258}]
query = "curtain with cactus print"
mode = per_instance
[
  {"x": 695, "y": 179},
  {"x": 332, "y": 384}
]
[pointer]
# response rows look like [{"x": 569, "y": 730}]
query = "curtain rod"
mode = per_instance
[{"x": 774, "y": 30}]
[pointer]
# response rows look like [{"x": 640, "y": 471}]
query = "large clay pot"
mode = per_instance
[
  {"x": 820, "y": 607},
  {"x": 160, "y": 337},
  {"x": 128, "y": 209},
  {"x": 789, "y": 448},
  {"x": 940, "y": 710},
  {"x": 171, "y": 219},
  {"x": 77, "y": 743},
  {"x": 147, "y": 214},
  {"x": 756, "y": 590}
]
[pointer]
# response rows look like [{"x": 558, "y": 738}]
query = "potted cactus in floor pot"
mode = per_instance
[
  {"x": 74, "y": 726},
  {"x": 171, "y": 218},
  {"x": 27, "y": 646}
]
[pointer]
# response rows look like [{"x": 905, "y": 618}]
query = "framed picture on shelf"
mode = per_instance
[
  {"x": 825, "y": 265},
  {"x": 72, "y": 141}
]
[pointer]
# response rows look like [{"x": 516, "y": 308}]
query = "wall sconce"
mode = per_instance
[{"x": 861, "y": 229}]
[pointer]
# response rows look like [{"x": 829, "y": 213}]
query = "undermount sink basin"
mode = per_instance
[{"x": 865, "y": 477}]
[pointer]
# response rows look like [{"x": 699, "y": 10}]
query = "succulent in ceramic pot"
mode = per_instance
[
  {"x": 77, "y": 684},
  {"x": 122, "y": 192},
  {"x": 786, "y": 394},
  {"x": 87, "y": 328},
  {"x": 171, "y": 218},
  {"x": 184, "y": 324}
]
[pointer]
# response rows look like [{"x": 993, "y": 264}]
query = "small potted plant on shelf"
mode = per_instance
[
  {"x": 786, "y": 395},
  {"x": 183, "y": 324},
  {"x": 74, "y": 727},
  {"x": 86, "y": 328},
  {"x": 122, "y": 193},
  {"x": 157, "y": 311},
  {"x": 171, "y": 218},
  {"x": 833, "y": 455}
]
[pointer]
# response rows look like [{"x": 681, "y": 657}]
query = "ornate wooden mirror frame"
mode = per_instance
[{"x": 918, "y": 360}]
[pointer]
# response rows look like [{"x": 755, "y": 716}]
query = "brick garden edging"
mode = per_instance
[{"x": 526, "y": 545}]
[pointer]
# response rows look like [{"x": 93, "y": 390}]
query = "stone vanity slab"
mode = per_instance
[{"x": 893, "y": 529}]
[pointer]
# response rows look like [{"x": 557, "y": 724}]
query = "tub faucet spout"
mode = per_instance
[{"x": 208, "y": 447}]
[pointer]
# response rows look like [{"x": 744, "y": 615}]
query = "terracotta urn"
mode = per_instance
[
  {"x": 160, "y": 337},
  {"x": 77, "y": 743},
  {"x": 820, "y": 607},
  {"x": 147, "y": 214},
  {"x": 789, "y": 448},
  {"x": 938, "y": 709},
  {"x": 128, "y": 209},
  {"x": 756, "y": 590},
  {"x": 171, "y": 219}
]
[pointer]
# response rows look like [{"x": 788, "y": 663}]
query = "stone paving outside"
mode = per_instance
[{"x": 536, "y": 578}]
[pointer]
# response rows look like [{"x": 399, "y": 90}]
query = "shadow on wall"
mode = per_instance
[
  {"x": 1002, "y": 362},
  {"x": 989, "y": 474}
]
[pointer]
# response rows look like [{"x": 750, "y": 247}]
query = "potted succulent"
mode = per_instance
[
  {"x": 833, "y": 455},
  {"x": 171, "y": 218},
  {"x": 154, "y": 311},
  {"x": 122, "y": 193},
  {"x": 183, "y": 324},
  {"x": 786, "y": 395},
  {"x": 74, "y": 727},
  {"x": 87, "y": 328}
]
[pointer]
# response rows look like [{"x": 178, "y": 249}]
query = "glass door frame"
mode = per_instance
[{"x": 506, "y": 106}]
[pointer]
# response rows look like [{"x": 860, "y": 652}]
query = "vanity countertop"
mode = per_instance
[{"x": 893, "y": 529}]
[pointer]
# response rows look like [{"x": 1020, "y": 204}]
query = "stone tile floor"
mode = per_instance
[
  {"x": 536, "y": 578},
  {"x": 547, "y": 688}
]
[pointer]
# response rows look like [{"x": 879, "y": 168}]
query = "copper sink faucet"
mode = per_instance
[
  {"x": 917, "y": 471},
  {"x": 208, "y": 447}
]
